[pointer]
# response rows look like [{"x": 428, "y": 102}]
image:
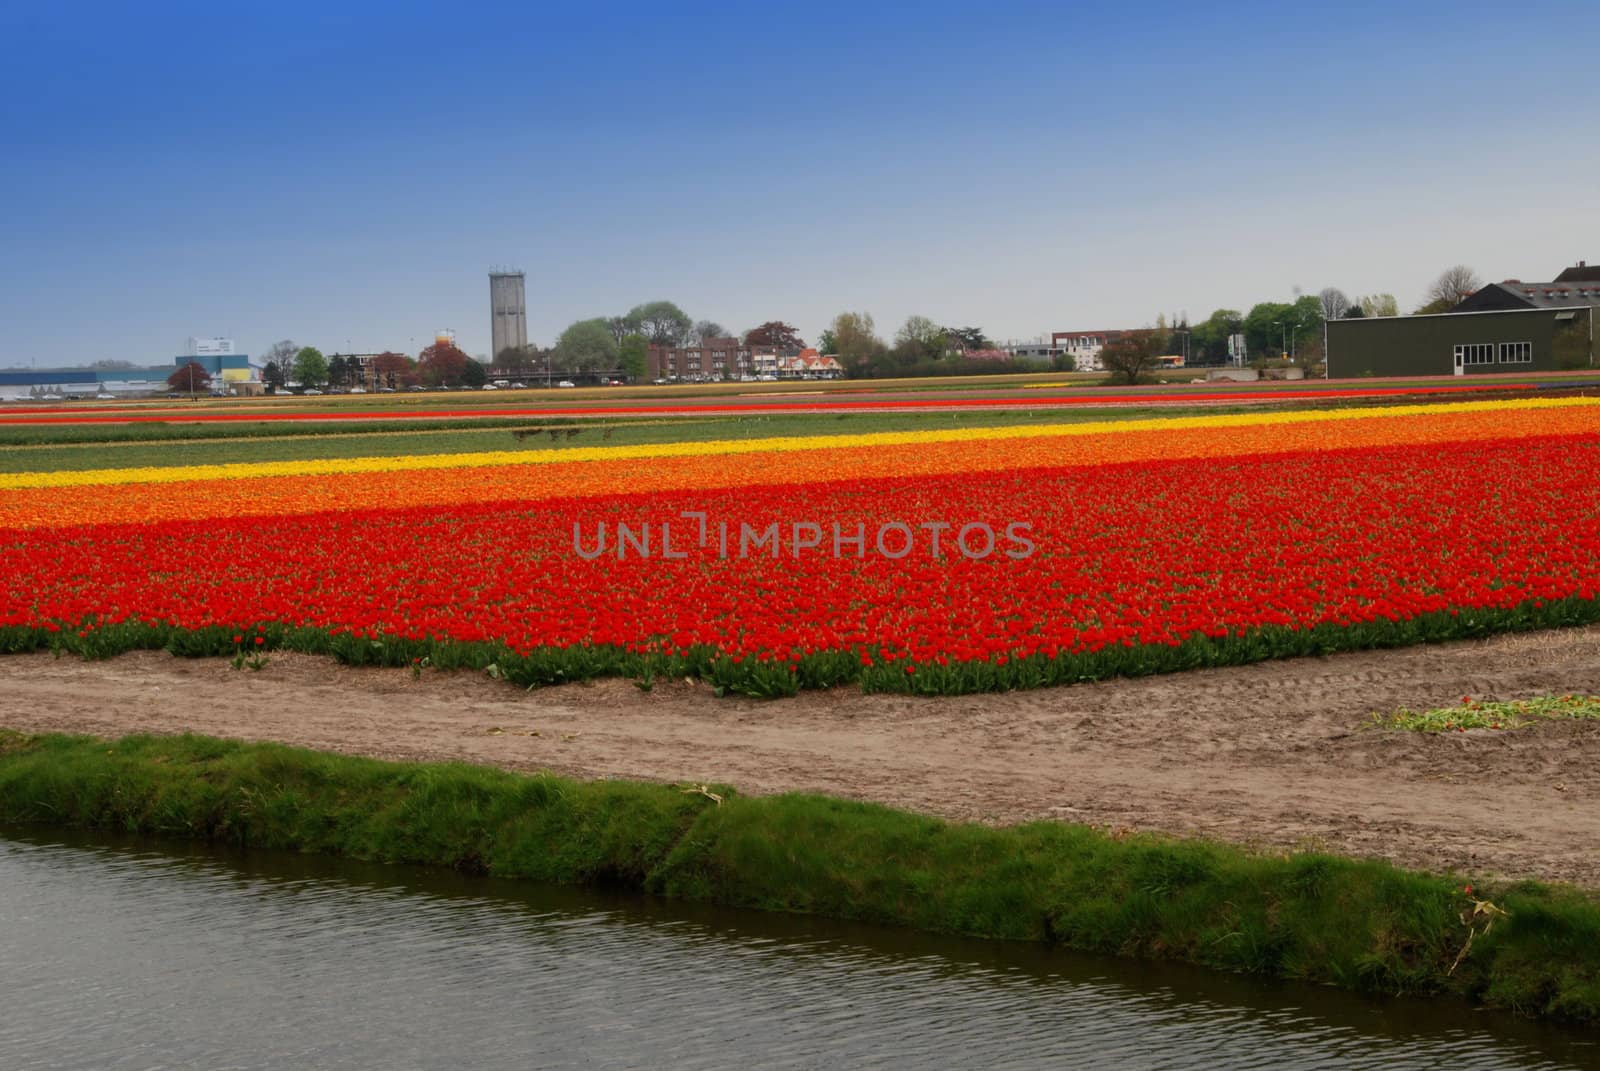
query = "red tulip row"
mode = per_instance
[{"x": 1123, "y": 557}]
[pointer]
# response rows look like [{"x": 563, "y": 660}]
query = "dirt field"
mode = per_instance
[{"x": 1273, "y": 755}]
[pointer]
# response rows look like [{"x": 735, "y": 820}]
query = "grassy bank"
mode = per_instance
[{"x": 1360, "y": 925}]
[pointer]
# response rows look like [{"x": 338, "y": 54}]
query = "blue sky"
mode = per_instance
[{"x": 345, "y": 174}]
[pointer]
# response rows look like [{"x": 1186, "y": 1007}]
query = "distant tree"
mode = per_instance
[
  {"x": 473, "y": 374},
  {"x": 920, "y": 339},
  {"x": 586, "y": 346},
  {"x": 662, "y": 322},
  {"x": 856, "y": 343},
  {"x": 1274, "y": 327},
  {"x": 1263, "y": 328},
  {"x": 516, "y": 361},
  {"x": 968, "y": 338},
  {"x": 634, "y": 354},
  {"x": 1452, "y": 287},
  {"x": 775, "y": 333},
  {"x": 310, "y": 367},
  {"x": 442, "y": 365},
  {"x": 1380, "y": 305},
  {"x": 1305, "y": 333},
  {"x": 855, "y": 333},
  {"x": 191, "y": 379},
  {"x": 827, "y": 342},
  {"x": 1335, "y": 303},
  {"x": 705, "y": 330},
  {"x": 1133, "y": 354},
  {"x": 338, "y": 370},
  {"x": 394, "y": 369},
  {"x": 281, "y": 353},
  {"x": 623, "y": 326},
  {"x": 1354, "y": 312},
  {"x": 272, "y": 377},
  {"x": 1209, "y": 344}
]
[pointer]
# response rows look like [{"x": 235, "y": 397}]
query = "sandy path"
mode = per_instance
[{"x": 1271, "y": 755}]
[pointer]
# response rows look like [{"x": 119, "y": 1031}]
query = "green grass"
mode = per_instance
[
  {"x": 1504, "y": 715},
  {"x": 59, "y": 449},
  {"x": 1360, "y": 925}
]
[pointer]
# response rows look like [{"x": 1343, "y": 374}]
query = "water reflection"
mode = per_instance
[{"x": 115, "y": 955}]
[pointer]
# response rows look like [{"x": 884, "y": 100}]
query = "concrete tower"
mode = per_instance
[{"x": 508, "y": 311}]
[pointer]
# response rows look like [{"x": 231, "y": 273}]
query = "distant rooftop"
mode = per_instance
[
  {"x": 1552, "y": 295},
  {"x": 1581, "y": 273}
]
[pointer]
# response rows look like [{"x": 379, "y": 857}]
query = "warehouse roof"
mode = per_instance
[{"x": 1514, "y": 294}]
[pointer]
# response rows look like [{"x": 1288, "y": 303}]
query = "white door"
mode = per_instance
[{"x": 1461, "y": 368}]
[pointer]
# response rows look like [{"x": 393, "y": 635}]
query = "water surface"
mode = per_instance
[{"x": 119, "y": 955}]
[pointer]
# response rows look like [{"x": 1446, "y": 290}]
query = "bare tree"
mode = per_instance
[
  {"x": 854, "y": 335},
  {"x": 622, "y": 326},
  {"x": 1454, "y": 286},
  {"x": 705, "y": 330},
  {"x": 1335, "y": 303},
  {"x": 1380, "y": 305},
  {"x": 1134, "y": 354},
  {"x": 280, "y": 353}
]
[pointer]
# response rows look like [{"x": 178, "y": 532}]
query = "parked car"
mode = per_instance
[
  {"x": 386, "y": 390},
  {"x": 566, "y": 383},
  {"x": 358, "y": 390},
  {"x": 416, "y": 387},
  {"x": 106, "y": 396},
  {"x": 490, "y": 386}
]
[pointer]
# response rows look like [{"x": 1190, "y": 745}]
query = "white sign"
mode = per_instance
[{"x": 209, "y": 347}]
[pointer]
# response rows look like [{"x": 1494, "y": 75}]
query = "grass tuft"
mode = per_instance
[{"x": 1503, "y": 715}]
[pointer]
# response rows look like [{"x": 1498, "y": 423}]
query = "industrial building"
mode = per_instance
[
  {"x": 508, "y": 312},
  {"x": 1505, "y": 327},
  {"x": 229, "y": 370}
]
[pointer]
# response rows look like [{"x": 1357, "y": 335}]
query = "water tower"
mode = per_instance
[{"x": 508, "y": 311}]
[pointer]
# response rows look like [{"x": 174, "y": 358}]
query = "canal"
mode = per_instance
[{"x": 122, "y": 954}]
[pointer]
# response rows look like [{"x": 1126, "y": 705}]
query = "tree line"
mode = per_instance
[
  {"x": 602, "y": 344},
  {"x": 921, "y": 346},
  {"x": 442, "y": 364}
]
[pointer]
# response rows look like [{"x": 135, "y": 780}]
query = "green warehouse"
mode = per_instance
[{"x": 1504, "y": 327}]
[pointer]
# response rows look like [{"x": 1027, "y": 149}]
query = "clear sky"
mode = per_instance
[{"x": 344, "y": 175}]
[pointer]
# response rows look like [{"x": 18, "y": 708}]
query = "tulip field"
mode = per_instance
[{"x": 937, "y": 560}]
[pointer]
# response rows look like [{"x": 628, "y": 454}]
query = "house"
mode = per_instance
[
  {"x": 1505, "y": 327},
  {"x": 809, "y": 364},
  {"x": 1084, "y": 346}
]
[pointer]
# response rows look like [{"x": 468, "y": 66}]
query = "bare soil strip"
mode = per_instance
[{"x": 1274, "y": 756}]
